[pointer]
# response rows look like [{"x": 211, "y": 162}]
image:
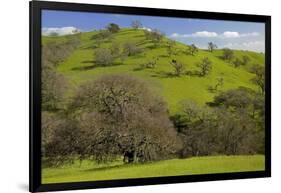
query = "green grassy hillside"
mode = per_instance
[
  {"x": 89, "y": 171},
  {"x": 80, "y": 67}
]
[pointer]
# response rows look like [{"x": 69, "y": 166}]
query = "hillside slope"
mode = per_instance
[{"x": 80, "y": 67}]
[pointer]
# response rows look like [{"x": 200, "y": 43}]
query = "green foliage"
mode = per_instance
[
  {"x": 219, "y": 84},
  {"x": 178, "y": 67},
  {"x": 104, "y": 34},
  {"x": 195, "y": 129},
  {"x": 115, "y": 49},
  {"x": 171, "y": 50},
  {"x": 228, "y": 54},
  {"x": 155, "y": 36},
  {"x": 130, "y": 49},
  {"x": 55, "y": 53},
  {"x": 113, "y": 28},
  {"x": 229, "y": 127},
  {"x": 241, "y": 62},
  {"x": 234, "y": 98},
  {"x": 192, "y": 50},
  {"x": 205, "y": 66},
  {"x": 259, "y": 78},
  {"x": 103, "y": 57},
  {"x": 248, "y": 107},
  {"x": 245, "y": 59},
  {"x": 151, "y": 63},
  {"x": 101, "y": 36},
  {"x": 237, "y": 62}
]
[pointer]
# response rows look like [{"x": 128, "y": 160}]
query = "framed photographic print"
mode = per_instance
[{"x": 125, "y": 96}]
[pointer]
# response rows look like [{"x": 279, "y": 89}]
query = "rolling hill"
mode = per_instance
[{"x": 80, "y": 66}]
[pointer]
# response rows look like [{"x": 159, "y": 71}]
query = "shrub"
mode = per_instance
[
  {"x": 178, "y": 67},
  {"x": 227, "y": 54},
  {"x": 205, "y": 66},
  {"x": 130, "y": 49},
  {"x": 192, "y": 49},
  {"x": 103, "y": 57}
]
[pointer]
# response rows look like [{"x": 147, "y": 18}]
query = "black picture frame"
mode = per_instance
[{"x": 35, "y": 184}]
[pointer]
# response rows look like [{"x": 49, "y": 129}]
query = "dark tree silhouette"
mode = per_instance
[
  {"x": 212, "y": 46},
  {"x": 113, "y": 28}
]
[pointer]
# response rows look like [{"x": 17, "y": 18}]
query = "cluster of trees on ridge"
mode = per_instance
[
  {"x": 106, "y": 56},
  {"x": 120, "y": 116}
]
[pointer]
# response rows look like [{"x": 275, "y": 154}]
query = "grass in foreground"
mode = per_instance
[{"x": 90, "y": 171}]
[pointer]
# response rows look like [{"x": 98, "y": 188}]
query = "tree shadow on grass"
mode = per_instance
[
  {"x": 93, "y": 65},
  {"x": 82, "y": 68},
  {"x": 194, "y": 73},
  {"x": 139, "y": 36},
  {"x": 144, "y": 42},
  {"x": 139, "y": 68},
  {"x": 88, "y": 62},
  {"x": 88, "y": 67},
  {"x": 91, "y": 47},
  {"x": 224, "y": 60},
  {"x": 163, "y": 74},
  {"x": 107, "y": 167}
]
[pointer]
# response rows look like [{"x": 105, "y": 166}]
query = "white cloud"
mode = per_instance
[
  {"x": 252, "y": 34},
  {"x": 146, "y": 28},
  {"x": 200, "y": 34},
  {"x": 233, "y": 34},
  {"x": 204, "y": 34},
  {"x": 60, "y": 31},
  {"x": 207, "y": 34},
  {"x": 175, "y": 35},
  {"x": 230, "y": 34},
  {"x": 257, "y": 46}
]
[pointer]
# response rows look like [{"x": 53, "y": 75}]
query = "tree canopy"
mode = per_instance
[{"x": 118, "y": 115}]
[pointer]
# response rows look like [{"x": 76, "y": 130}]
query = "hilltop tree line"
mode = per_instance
[
  {"x": 106, "y": 56},
  {"x": 120, "y": 116}
]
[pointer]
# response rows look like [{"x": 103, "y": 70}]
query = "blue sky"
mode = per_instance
[{"x": 232, "y": 34}]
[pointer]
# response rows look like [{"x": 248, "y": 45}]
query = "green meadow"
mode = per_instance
[{"x": 90, "y": 171}]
